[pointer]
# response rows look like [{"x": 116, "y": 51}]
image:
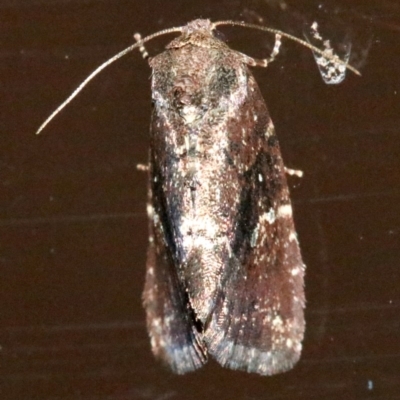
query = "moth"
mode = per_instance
[{"x": 224, "y": 276}]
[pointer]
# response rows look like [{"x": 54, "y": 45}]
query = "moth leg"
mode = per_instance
[
  {"x": 256, "y": 62},
  {"x": 138, "y": 37},
  {"x": 298, "y": 172},
  {"x": 143, "y": 167}
]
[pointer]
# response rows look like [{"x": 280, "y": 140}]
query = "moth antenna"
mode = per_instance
[
  {"x": 291, "y": 37},
  {"x": 122, "y": 53},
  {"x": 142, "y": 48}
]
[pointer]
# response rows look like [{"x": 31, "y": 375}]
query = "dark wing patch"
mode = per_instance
[
  {"x": 258, "y": 322},
  {"x": 173, "y": 330}
]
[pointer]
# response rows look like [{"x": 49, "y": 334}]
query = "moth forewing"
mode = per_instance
[{"x": 221, "y": 206}]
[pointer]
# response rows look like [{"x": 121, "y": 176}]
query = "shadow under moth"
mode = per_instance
[{"x": 224, "y": 275}]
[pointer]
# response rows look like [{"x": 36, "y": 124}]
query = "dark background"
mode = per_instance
[{"x": 73, "y": 228}]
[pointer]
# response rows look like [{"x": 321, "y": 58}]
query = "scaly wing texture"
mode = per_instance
[
  {"x": 170, "y": 321},
  {"x": 258, "y": 323}
]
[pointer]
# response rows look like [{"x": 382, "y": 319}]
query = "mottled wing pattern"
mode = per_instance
[
  {"x": 258, "y": 323},
  {"x": 248, "y": 312},
  {"x": 170, "y": 321}
]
